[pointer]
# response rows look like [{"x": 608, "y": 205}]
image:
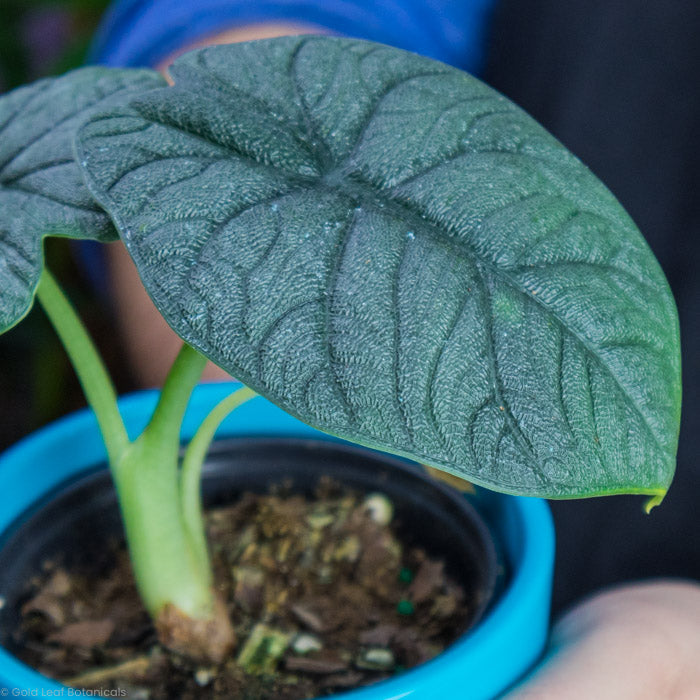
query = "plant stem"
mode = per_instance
[
  {"x": 173, "y": 578},
  {"x": 92, "y": 374},
  {"x": 190, "y": 491},
  {"x": 164, "y": 426},
  {"x": 166, "y": 567}
]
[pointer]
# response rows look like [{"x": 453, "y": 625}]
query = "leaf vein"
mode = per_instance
[
  {"x": 518, "y": 434},
  {"x": 395, "y": 293},
  {"x": 95, "y": 209},
  {"x": 332, "y": 288}
]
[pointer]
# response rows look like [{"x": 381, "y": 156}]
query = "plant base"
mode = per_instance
[{"x": 209, "y": 641}]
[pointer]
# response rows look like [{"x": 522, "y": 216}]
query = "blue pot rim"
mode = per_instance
[{"x": 499, "y": 650}]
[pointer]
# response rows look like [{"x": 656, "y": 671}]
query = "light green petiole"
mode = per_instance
[
  {"x": 167, "y": 568},
  {"x": 192, "y": 468},
  {"x": 88, "y": 365}
]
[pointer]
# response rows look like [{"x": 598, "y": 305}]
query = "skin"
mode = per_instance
[{"x": 639, "y": 641}]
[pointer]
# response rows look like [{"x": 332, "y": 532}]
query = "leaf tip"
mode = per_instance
[{"x": 654, "y": 501}]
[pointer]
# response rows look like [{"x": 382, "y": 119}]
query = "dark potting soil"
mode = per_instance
[{"x": 323, "y": 594}]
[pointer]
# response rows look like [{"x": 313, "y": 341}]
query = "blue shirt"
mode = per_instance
[{"x": 143, "y": 32}]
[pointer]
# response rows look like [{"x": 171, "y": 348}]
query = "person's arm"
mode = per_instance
[{"x": 639, "y": 641}]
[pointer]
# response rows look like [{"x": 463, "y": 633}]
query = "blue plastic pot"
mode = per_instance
[{"x": 478, "y": 666}]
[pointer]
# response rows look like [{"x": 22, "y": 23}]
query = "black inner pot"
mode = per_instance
[{"x": 72, "y": 525}]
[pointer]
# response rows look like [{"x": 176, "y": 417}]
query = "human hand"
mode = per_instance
[{"x": 636, "y": 642}]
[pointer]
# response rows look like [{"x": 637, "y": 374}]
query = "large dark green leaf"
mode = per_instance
[
  {"x": 41, "y": 187},
  {"x": 398, "y": 255}
]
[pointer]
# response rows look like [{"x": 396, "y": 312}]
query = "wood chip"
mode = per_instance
[
  {"x": 87, "y": 634},
  {"x": 444, "y": 606},
  {"x": 59, "y": 583},
  {"x": 46, "y": 604},
  {"x": 309, "y": 618},
  {"x": 343, "y": 680},
  {"x": 95, "y": 677},
  {"x": 348, "y": 550},
  {"x": 248, "y": 591},
  {"x": 380, "y": 636},
  {"x": 428, "y": 580},
  {"x": 321, "y": 664}
]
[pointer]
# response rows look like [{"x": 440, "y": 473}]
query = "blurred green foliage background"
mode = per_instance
[{"x": 40, "y": 38}]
